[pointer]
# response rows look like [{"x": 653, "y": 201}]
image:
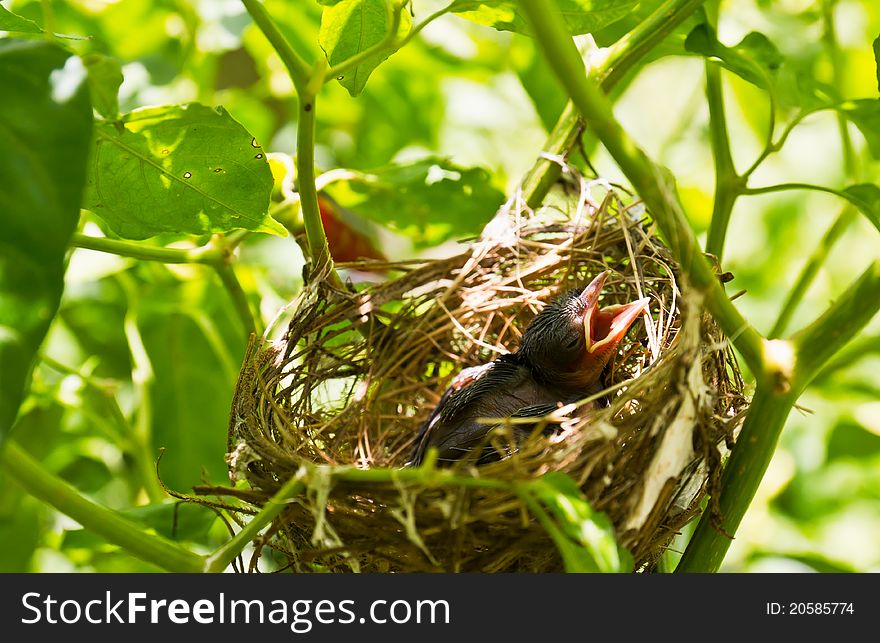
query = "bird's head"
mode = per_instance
[{"x": 572, "y": 339}]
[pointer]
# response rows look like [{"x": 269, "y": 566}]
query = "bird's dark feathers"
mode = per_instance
[
  {"x": 504, "y": 371},
  {"x": 532, "y": 382}
]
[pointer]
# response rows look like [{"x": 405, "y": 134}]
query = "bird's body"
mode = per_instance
[{"x": 561, "y": 359}]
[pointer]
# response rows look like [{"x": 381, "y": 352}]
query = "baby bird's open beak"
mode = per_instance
[{"x": 604, "y": 328}]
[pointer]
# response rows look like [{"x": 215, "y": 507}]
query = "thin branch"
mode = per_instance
[
  {"x": 209, "y": 254},
  {"x": 849, "y": 313},
  {"x": 238, "y": 296},
  {"x": 297, "y": 68},
  {"x": 653, "y": 184},
  {"x": 622, "y": 56},
  {"x": 725, "y": 172},
  {"x": 804, "y": 357},
  {"x": 105, "y": 522},
  {"x": 783, "y": 187},
  {"x": 811, "y": 269},
  {"x": 389, "y": 41},
  {"x": 226, "y": 553},
  {"x": 424, "y": 23},
  {"x": 305, "y": 178}
]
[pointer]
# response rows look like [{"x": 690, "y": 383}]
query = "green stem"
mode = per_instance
[
  {"x": 105, "y": 522},
  {"x": 305, "y": 179},
  {"x": 811, "y": 269},
  {"x": 740, "y": 481},
  {"x": 804, "y": 357},
  {"x": 224, "y": 555},
  {"x": 306, "y": 87},
  {"x": 652, "y": 183},
  {"x": 238, "y": 296},
  {"x": 424, "y": 23},
  {"x": 819, "y": 341},
  {"x": 297, "y": 68},
  {"x": 783, "y": 187},
  {"x": 387, "y": 42},
  {"x": 725, "y": 173},
  {"x": 622, "y": 56},
  {"x": 208, "y": 255},
  {"x": 850, "y": 354},
  {"x": 848, "y": 215}
]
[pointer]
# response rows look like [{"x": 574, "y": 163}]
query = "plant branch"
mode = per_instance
[
  {"x": 322, "y": 265},
  {"x": 105, "y": 522},
  {"x": 238, "y": 296},
  {"x": 424, "y": 23},
  {"x": 653, "y": 184},
  {"x": 389, "y": 41},
  {"x": 621, "y": 57},
  {"x": 208, "y": 255},
  {"x": 783, "y": 187},
  {"x": 811, "y": 269},
  {"x": 819, "y": 341},
  {"x": 740, "y": 481},
  {"x": 725, "y": 173},
  {"x": 226, "y": 553},
  {"x": 804, "y": 357},
  {"x": 297, "y": 68},
  {"x": 307, "y": 82}
]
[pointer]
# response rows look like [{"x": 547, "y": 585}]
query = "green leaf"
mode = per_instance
[
  {"x": 580, "y": 16},
  {"x": 11, "y": 22},
  {"x": 865, "y": 114},
  {"x": 353, "y": 26},
  {"x": 181, "y": 169},
  {"x": 866, "y": 197},
  {"x": 592, "y": 545},
  {"x": 105, "y": 77},
  {"x": 45, "y": 127},
  {"x": 755, "y": 59},
  {"x": 192, "y": 390},
  {"x": 430, "y": 200}
]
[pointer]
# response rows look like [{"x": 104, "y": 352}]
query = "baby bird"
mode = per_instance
[{"x": 564, "y": 350}]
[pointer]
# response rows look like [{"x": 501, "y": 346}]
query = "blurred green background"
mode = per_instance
[{"x": 145, "y": 355}]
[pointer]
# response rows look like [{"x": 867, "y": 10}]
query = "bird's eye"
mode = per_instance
[{"x": 572, "y": 342}]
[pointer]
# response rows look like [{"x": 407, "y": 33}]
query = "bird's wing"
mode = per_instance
[
  {"x": 470, "y": 384},
  {"x": 535, "y": 410}
]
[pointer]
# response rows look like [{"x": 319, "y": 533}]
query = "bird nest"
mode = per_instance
[{"x": 344, "y": 391}]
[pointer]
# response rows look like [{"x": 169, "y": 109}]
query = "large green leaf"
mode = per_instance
[
  {"x": 754, "y": 59},
  {"x": 587, "y": 540},
  {"x": 181, "y": 169},
  {"x": 192, "y": 390},
  {"x": 580, "y": 16},
  {"x": 11, "y": 22},
  {"x": 430, "y": 200},
  {"x": 353, "y": 26},
  {"x": 45, "y": 128}
]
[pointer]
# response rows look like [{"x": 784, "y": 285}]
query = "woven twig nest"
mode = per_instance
[{"x": 355, "y": 375}]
